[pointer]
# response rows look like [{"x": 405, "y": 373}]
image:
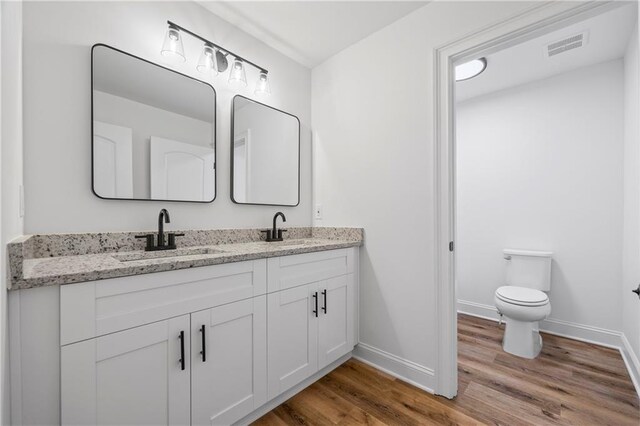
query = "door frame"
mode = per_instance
[{"x": 531, "y": 23}]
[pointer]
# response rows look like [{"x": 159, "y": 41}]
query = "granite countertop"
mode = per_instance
[{"x": 42, "y": 260}]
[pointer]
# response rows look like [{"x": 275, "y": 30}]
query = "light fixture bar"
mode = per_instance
[{"x": 217, "y": 46}]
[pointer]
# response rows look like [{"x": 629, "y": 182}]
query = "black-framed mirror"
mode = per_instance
[
  {"x": 153, "y": 131},
  {"x": 265, "y": 154}
]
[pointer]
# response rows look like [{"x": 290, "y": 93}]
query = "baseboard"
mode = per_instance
[
  {"x": 584, "y": 333},
  {"x": 571, "y": 330},
  {"x": 273, "y": 403},
  {"x": 631, "y": 360},
  {"x": 408, "y": 371},
  {"x": 478, "y": 310}
]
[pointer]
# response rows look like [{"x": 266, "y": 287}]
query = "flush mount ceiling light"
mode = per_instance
[
  {"x": 213, "y": 59},
  {"x": 470, "y": 69}
]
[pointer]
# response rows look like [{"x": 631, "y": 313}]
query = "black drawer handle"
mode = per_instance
[
  {"x": 324, "y": 304},
  {"x": 204, "y": 344},
  {"x": 315, "y": 297},
  {"x": 181, "y": 361}
]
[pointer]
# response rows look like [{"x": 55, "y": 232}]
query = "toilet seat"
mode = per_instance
[{"x": 522, "y": 296}]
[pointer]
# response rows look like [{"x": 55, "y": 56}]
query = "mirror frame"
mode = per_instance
[
  {"x": 233, "y": 102},
  {"x": 214, "y": 133}
]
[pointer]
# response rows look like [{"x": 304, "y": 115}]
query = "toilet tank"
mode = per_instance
[{"x": 527, "y": 268}]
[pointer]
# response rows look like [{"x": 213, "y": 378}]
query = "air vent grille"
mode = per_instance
[{"x": 564, "y": 45}]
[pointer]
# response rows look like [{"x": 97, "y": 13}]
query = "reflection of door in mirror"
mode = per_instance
[
  {"x": 112, "y": 160},
  {"x": 181, "y": 171},
  {"x": 265, "y": 149},
  {"x": 151, "y": 102},
  {"x": 241, "y": 168}
]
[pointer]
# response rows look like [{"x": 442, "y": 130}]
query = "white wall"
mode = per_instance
[
  {"x": 374, "y": 167},
  {"x": 147, "y": 121},
  {"x": 539, "y": 166},
  {"x": 631, "y": 229},
  {"x": 11, "y": 223},
  {"x": 57, "y": 136}
]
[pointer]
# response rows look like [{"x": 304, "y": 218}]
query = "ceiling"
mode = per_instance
[
  {"x": 608, "y": 36},
  {"x": 307, "y": 31}
]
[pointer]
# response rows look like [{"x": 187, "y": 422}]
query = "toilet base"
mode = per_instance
[{"x": 521, "y": 338}]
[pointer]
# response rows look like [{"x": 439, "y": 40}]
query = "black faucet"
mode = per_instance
[
  {"x": 162, "y": 218},
  {"x": 275, "y": 234},
  {"x": 152, "y": 244}
]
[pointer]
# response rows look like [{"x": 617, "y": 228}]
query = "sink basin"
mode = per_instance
[
  {"x": 148, "y": 255},
  {"x": 289, "y": 243}
]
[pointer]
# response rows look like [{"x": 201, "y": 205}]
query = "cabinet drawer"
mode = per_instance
[
  {"x": 100, "y": 307},
  {"x": 292, "y": 271}
]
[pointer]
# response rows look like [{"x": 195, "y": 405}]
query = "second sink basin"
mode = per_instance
[
  {"x": 148, "y": 255},
  {"x": 289, "y": 243}
]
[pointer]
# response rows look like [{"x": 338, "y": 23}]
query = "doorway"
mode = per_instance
[{"x": 533, "y": 23}]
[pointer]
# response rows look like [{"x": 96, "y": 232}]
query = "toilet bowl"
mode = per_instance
[
  {"x": 523, "y": 301},
  {"x": 522, "y": 308}
]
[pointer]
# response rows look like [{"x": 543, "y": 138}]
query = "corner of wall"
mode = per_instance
[{"x": 11, "y": 170}]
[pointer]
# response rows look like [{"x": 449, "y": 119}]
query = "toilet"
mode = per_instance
[{"x": 523, "y": 300}]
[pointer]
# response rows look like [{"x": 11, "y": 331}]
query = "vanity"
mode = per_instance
[
  {"x": 200, "y": 327},
  {"x": 216, "y": 332}
]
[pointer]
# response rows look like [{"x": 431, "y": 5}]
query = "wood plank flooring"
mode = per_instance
[{"x": 570, "y": 383}]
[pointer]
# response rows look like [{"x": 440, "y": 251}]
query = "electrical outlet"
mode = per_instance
[{"x": 318, "y": 213}]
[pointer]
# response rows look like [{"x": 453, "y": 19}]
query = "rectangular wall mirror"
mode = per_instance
[
  {"x": 153, "y": 131},
  {"x": 265, "y": 154}
]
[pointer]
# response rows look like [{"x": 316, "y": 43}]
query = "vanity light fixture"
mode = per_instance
[
  {"x": 207, "y": 62},
  {"x": 262, "y": 86},
  {"x": 213, "y": 58},
  {"x": 470, "y": 69},
  {"x": 237, "y": 73},
  {"x": 172, "y": 46}
]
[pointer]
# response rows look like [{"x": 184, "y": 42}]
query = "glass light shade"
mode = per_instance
[
  {"x": 172, "y": 46},
  {"x": 262, "y": 86},
  {"x": 470, "y": 69},
  {"x": 207, "y": 63},
  {"x": 238, "y": 74}
]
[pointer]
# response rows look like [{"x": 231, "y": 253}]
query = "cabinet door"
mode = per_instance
[
  {"x": 293, "y": 337},
  {"x": 138, "y": 376},
  {"x": 336, "y": 321},
  {"x": 229, "y": 367}
]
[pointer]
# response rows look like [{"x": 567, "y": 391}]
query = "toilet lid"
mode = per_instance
[{"x": 522, "y": 296}]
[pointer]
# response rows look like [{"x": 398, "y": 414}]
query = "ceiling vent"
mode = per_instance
[{"x": 564, "y": 45}]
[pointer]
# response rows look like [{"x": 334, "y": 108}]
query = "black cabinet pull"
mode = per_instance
[
  {"x": 204, "y": 345},
  {"x": 324, "y": 301},
  {"x": 181, "y": 337},
  {"x": 315, "y": 297}
]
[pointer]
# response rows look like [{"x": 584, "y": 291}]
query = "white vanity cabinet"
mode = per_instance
[
  {"x": 293, "y": 337},
  {"x": 336, "y": 332},
  {"x": 212, "y": 345},
  {"x": 228, "y": 362},
  {"x": 310, "y": 325},
  {"x": 137, "y": 376}
]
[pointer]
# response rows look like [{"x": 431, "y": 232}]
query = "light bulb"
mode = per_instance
[
  {"x": 207, "y": 63},
  {"x": 238, "y": 74},
  {"x": 172, "y": 46},
  {"x": 262, "y": 86}
]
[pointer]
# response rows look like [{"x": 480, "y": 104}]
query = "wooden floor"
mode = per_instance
[{"x": 570, "y": 383}]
